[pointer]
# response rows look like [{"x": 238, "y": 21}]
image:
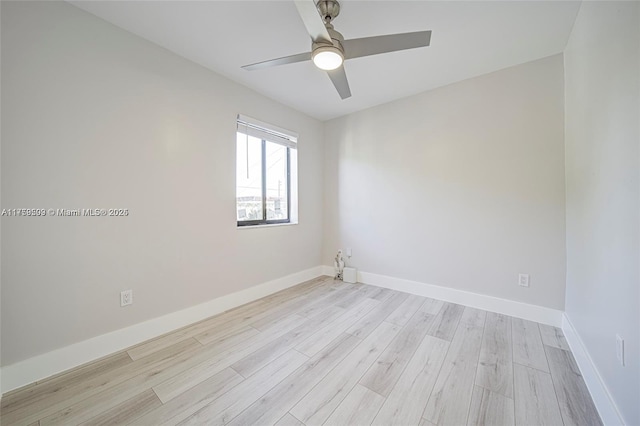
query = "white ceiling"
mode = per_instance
[{"x": 469, "y": 39}]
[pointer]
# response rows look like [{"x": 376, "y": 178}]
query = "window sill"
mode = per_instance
[{"x": 267, "y": 225}]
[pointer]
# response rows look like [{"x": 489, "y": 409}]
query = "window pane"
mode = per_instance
[
  {"x": 277, "y": 188},
  {"x": 248, "y": 177}
]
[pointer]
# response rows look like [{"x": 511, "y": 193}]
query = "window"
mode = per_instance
[{"x": 266, "y": 174}]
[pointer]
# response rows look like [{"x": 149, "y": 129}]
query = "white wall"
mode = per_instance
[
  {"x": 602, "y": 63},
  {"x": 93, "y": 116},
  {"x": 462, "y": 186}
]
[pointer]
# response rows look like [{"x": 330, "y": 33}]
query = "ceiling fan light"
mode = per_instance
[{"x": 327, "y": 58}]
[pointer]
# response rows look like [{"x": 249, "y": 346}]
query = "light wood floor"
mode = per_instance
[{"x": 326, "y": 352}]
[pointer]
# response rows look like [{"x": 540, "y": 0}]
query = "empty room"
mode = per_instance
[{"x": 320, "y": 212}]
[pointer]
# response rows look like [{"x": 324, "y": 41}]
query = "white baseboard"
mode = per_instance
[
  {"x": 605, "y": 405},
  {"x": 42, "y": 366},
  {"x": 526, "y": 311}
]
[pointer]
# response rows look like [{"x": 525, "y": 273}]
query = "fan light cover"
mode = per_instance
[{"x": 327, "y": 58}]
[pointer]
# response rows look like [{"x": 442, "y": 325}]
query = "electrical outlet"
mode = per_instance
[
  {"x": 523, "y": 280},
  {"x": 348, "y": 251},
  {"x": 620, "y": 349},
  {"x": 126, "y": 297}
]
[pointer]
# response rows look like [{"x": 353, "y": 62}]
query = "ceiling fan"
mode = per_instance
[{"x": 329, "y": 49}]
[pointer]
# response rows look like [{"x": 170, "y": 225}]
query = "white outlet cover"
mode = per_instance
[
  {"x": 126, "y": 297},
  {"x": 523, "y": 280}
]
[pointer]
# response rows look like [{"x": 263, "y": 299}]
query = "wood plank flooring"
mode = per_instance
[{"x": 326, "y": 353}]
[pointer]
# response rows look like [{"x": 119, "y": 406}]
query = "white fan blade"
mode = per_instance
[
  {"x": 339, "y": 79},
  {"x": 359, "y": 47},
  {"x": 280, "y": 61},
  {"x": 312, "y": 21}
]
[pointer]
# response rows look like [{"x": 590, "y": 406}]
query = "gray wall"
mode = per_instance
[
  {"x": 602, "y": 63},
  {"x": 94, "y": 116},
  {"x": 461, "y": 186}
]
